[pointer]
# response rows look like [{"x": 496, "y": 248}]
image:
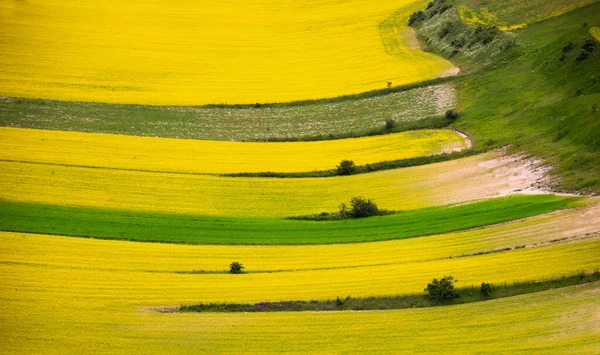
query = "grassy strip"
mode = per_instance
[
  {"x": 412, "y": 106},
  {"x": 361, "y": 169},
  {"x": 193, "y": 229},
  {"x": 467, "y": 295}
]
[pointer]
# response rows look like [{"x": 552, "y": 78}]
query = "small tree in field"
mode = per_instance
[
  {"x": 390, "y": 123},
  {"x": 346, "y": 167},
  {"x": 236, "y": 268},
  {"x": 362, "y": 207},
  {"x": 442, "y": 289}
]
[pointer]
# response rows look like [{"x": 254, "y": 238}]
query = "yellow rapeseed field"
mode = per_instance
[
  {"x": 202, "y": 52},
  {"x": 99, "y": 299},
  {"x": 485, "y": 175},
  {"x": 192, "y": 156},
  {"x": 185, "y": 258},
  {"x": 595, "y": 32}
]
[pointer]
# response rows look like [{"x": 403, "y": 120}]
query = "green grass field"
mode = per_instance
[{"x": 194, "y": 229}]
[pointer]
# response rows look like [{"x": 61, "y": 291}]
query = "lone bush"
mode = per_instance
[
  {"x": 442, "y": 289},
  {"x": 452, "y": 114},
  {"x": 390, "y": 123},
  {"x": 236, "y": 268},
  {"x": 416, "y": 18},
  {"x": 486, "y": 289},
  {"x": 362, "y": 207},
  {"x": 346, "y": 167}
]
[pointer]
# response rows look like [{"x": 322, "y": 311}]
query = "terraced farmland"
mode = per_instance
[
  {"x": 125, "y": 298},
  {"x": 198, "y": 53},
  {"x": 195, "y": 229},
  {"x": 110, "y": 220},
  {"x": 411, "y": 109},
  {"x": 482, "y": 176},
  {"x": 216, "y": 157}
]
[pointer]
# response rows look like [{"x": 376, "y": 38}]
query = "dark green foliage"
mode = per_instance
[
  {"x": 586, "y": 49},
  {"x": 236, "y": 268},
  {"x": 483, "y": 35},
  {"x": 341, "y": 301},
  {"x": 486, "y": 290},
  {"x": 362, "y": 207},
  {"x": 346, "y": 167},
  {"x": 445, "y": 30},
  {"x": 588, "y": 45},
  {"x": 416, "y": 17},
  {"x": 452, "y": 115},
  {"x": 568, "y": 47},
  {"x": 442, "y": 289},
  {"x": 390, "y": 123},
  {"x": 434, "y": 8},
  {"x": 467, "y": 295}
]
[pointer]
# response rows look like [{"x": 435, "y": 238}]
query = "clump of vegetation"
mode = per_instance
[
  {"x": 486, "y": 290},
  {"x": 451, "y": 115},
  {"x": 587, "y": 49},
  {"x": 390, "y": 123},
  {"x": 442, "y": 289},
  {"x": 346, "y": 167},
  {"x": 568, "y": 47},
  {"x": 434, "y": 8},
  {"x": 444, "y": 32},
  {"x": 362, "y": 207},
  {"x": 236, "y": 268}
]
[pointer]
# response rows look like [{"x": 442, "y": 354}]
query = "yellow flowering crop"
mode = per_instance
[
  {"x": 595, "y": 32},
  {"x": 486, "y": 175},
  {"x": 203, "y": 52},
  {"x": 184, "y": 155},
  {"x": 56, "y": 297},
  {"x": 186, "y": 258}
]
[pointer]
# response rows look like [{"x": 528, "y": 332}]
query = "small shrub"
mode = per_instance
[
  {"x": 390, "y": 123},
  {"x": 362, "y": 207},
  {"x": 568, "y": 47},
  {"x": 442, "y": 289},
  {"x": 451, "y": 114},
  {"x": 588, "y": 45},
  {"x": 346, "y": 167},
  {"x": 416, "y": 18},
  {"x": 582, "y": 56},
  {"x": 509, "y": 44},
  {"x": 445, "y": 30},
  {"x": 236, "y": 268},
  {"x": 459, "y": 42},
  {"x": 562, "y": 57},
  {"x": 344, "y": 212},
  {"x": 486, "y": 289},
  {"x": 339, "y": 301}
]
